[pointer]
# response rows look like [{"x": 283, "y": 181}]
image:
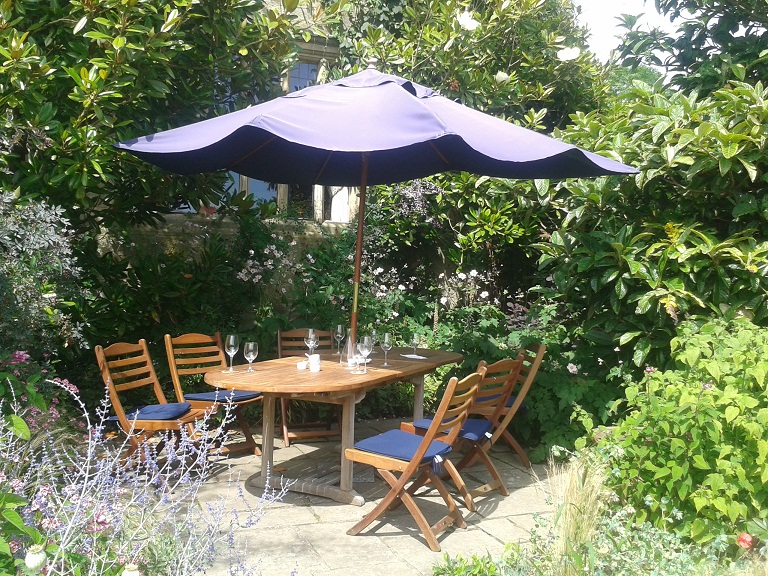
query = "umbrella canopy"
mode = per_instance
[{"x": 365, "y": 129}]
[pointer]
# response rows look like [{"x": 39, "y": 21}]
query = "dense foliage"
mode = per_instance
[
  {"x": 716, "y": 42},
  {"x": 78, "y": 77},
  {"x": 38, "y": 278},
  {"x": 691, "y": 454},
  {"x": 685, "y": 238}
]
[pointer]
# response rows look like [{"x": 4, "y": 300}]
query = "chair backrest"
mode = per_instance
[
  {"x": 126, "y": 366},
  {"x": 454, "y": 408},
  {"x": 532, "y": 357},
  {"x": 291, "y": 342},
  {"x": 191, "y": 354},
  {"x": 497, "y": 385}
]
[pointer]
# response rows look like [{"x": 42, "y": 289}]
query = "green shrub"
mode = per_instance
[
  {"x": 38, "y": 277},
  {"x": 691, "y": 454}
]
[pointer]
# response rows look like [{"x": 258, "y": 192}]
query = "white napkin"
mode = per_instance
[{"x": 413, "y": 356}]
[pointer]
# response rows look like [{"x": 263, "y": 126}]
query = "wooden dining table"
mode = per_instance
[{"x": 333, "y": 384}]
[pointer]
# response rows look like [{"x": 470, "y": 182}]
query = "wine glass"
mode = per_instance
[
  {"x": 386, "y": 345},
  {"x": 311, "y": 340},
  {"x": 415, "y": 343},
  {"x": 338, "y": 336},
  {"x": 365, "y": 347},
  {"x": 231, "y": 346},
  {"x": 250, "y": 351},
  {"x": 374, "y": 340}
]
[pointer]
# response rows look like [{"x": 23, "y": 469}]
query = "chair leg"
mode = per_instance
[
  {"x": 496, "y": 482},
  {"x": 454, "y": 515},
  {"x": 242, "y": 422},
  {"x": 421, "y": 522},
  {"x": 381, "y": 507},
  {"x": 515, "y": 445},
  {"x": 460, "y": 485},
  {"x": 284, "y": 418}
]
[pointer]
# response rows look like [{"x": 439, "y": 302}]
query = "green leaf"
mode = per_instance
[
  {"x": 731, "y": 412},
  {"x": 700, "y": 463},
  {"x": 290, "y": 5},
  {"x": 750, "y": 168},
  {"x": 19, "y": 427},
  {"x": 15, "y": 519}
]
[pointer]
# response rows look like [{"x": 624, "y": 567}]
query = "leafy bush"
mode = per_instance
[
  {"x": 691, "y": 456},
  {"x": 587, "y": 534},
  {"x": 38, "y": 277}
]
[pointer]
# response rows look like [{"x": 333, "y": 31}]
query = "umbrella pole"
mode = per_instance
[{"x": 358, "y": 247}]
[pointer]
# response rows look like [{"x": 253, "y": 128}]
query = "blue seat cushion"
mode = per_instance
[
  {"x": 401, "y": 445},
  {"x": 474, "y": 428},
  {"x": 511, "y": 401},
  {"x": 157, "y": 412},
  {"x": 223, "y": 395}
]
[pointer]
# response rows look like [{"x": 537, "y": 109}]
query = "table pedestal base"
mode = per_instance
[{"x": 316, "y": 486}]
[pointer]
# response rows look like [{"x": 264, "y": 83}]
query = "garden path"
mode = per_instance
[{"x": 306, "y": 535}]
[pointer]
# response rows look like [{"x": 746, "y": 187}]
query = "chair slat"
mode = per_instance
[{"x": 193, "y": 354}]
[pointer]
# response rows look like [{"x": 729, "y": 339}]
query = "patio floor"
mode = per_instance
[{"x": 306, "y": 535}]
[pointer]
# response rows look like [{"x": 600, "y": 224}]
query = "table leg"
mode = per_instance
[
  {"x": 347, "y": 441},
  {"x": 418, "y": 397},
  {"x": 268, "y": 437}
]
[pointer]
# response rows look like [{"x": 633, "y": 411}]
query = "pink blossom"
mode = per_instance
[
  {"x": 19, "y": 357},
  {"x": 745, "y": 541}
]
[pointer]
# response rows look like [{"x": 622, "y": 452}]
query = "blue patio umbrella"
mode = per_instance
[{"x": 368, "y": 128}]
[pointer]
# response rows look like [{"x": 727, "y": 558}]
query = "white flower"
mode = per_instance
[
  {"x": 462, "y": 276},
  {"x": 443, "y": 300},
  {"x": 466, "y": 21},
  {"x": 600, "y": 361},
  {"x": 501, "y": 77},
  {"x": 401, "y": 287},
  {"x": 572, "y": 368},
  {"x": 484, "y": 294},
  {"x": 36, "y": 558},
  {"x": 567, "y": 54},
  {"x": 473, "y": 273},
  {"x": 617, "y": 349}
]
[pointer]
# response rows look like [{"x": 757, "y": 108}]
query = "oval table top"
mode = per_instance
[{"x": 281, "y": 376}]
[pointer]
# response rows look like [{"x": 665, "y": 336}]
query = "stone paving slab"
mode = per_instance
[{"x": 306, "y": 535}]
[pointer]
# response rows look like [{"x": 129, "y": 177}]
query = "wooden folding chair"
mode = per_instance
[
  {"x": 291, "y": 343},
  {"x": 126, "y": 366},
  {"x": 192, "y": 354},
  {"x": 477, "y": 435},
  {"x": 419, "y": 460},
  {"x": 532, "y": 356}
]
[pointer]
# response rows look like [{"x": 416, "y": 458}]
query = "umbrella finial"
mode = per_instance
[{"x": 372, "y": 63}]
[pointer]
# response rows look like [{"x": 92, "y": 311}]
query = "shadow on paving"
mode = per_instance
[{"x": 306, "y": 534}]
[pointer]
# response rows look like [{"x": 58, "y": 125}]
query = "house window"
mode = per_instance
[{"x": 306, "y": 202}]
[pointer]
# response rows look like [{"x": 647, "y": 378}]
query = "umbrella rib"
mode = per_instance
[
  {"x": 439, "y": 154},
  {"x": 322, "y": 168},
  {"x": 251, "y": 153}
]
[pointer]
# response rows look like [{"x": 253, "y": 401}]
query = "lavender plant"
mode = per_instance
[{"x": 86, "y": 511}]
